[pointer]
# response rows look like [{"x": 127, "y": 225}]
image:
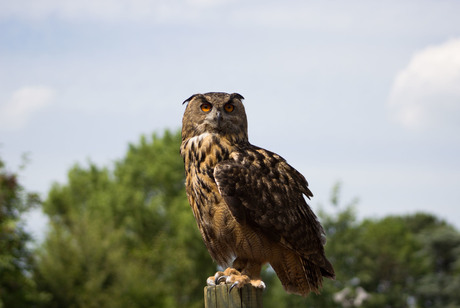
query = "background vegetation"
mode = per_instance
[{"x": 124, "y": 236}]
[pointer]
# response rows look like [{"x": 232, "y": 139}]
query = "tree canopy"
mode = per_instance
[
  {"x": 17, "y": 289},
  {"x": 123, "y": 235},
  {"x": 395, "y": 261}
]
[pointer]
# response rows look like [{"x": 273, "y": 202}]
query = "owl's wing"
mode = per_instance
[{"x": 261, "y": 189}]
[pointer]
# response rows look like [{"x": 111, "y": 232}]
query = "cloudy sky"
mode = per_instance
[{"x": 365, "y": 92}]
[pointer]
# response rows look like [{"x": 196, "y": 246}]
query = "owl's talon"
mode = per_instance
[
  {"x": 210, "y": 282},
  {"x": 221, "y": 279},
  {"x": 235, "y": 284},
  {"x": 262, "y": 285}
]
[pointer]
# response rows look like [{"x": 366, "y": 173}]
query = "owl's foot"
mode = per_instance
[{"x": 234, "y": 278}]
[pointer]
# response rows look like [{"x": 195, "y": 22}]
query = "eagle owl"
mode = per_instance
[{"x": 248, "y": 202}]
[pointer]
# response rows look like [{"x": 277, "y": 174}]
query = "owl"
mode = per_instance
[{"x": 248, "y": 202}]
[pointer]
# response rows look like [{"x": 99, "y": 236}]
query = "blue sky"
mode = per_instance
[{"x": 366, "y": 92}]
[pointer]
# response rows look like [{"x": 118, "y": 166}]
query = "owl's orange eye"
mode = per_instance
[
  {"x": 206, "y": 107},
  {"x": 229, "y": 107}
]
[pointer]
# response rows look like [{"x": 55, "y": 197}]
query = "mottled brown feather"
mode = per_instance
[{"x": 249, "y": 202}]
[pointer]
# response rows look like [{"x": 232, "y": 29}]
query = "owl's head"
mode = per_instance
[{"x": 215, "y": 112}]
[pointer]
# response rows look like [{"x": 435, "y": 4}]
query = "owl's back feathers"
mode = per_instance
[{"x": 262, "y": 190}]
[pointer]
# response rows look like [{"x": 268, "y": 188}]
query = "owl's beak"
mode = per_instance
[{"x": 218, "y": 118}]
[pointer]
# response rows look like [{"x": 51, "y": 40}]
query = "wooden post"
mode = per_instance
[{"x": 219, "y": 297}]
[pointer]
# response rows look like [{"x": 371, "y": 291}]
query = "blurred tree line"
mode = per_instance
[{"x": 125, "y": 237}]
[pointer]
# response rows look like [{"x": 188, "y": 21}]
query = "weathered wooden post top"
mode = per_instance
[{"x": 221, "y": 296}]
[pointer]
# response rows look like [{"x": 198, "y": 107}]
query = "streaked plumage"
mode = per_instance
[{"x": 249, "y": 202}]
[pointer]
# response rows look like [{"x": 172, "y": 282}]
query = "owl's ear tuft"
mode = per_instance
[
  {"x": 190, "y": 98},
  {"x": 236, "y": 95}
]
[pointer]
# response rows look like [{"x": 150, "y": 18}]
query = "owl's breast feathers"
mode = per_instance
[
  {"x": 258, "y": 189},
  {"x": 217, "y": 226}
]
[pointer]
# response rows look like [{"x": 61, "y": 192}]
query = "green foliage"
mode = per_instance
[
  {"x": 441, "y": 282},
  {"x": 399, "y": 261},
  {"x": 17, "y": 289},
  {"x": 125, "y": 237}
]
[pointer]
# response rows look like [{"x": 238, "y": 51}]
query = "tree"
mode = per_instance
[
  {"x": 17, "y": 289},
  {"x": 441, "y": 282},
  {"x": 124, "y": 237},
  {"x": 391, "y": 257},
  {"x": 394, "y": 261}
]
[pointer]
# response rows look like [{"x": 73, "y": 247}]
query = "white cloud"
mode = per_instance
[
  {"x": 105, "y": 10},
  {"x": 351, "y": 17},
  {"x": 207, "y": 3},
  {"x": 23, "y": 103},
  {"x": 71, "y": 10},
  {"x": 426, "y": 94}
]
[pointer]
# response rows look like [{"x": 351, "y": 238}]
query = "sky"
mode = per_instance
[{"x": 362, "y": 92}]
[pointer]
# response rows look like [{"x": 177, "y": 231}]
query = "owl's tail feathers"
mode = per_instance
[
  {"x": 326, "y": 267},
  {"x": 300, "y": 275}
]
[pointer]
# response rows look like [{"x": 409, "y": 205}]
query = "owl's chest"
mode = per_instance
[{"x": 201, "y": 154}]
